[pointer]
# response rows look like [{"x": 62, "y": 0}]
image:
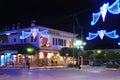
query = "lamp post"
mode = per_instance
[
  {"x": 80, "y": 45},
  {"x": 79, "y": 54}
]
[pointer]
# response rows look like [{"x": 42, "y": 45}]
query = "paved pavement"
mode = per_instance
[{"x": 60, "y": 73}]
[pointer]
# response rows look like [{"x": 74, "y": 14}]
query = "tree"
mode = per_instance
[
  {"x": 88, "y": 56},
  {"x": 112, "y": 56},
  {"x": 70, "y": 51},
  {"x": 63, "y": 51}
]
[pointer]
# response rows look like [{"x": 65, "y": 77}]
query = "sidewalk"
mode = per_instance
[
  {"x": 32, "y": 67},
  {"x": 94, "y": 68},
  {"x": 84, "y": 68}
]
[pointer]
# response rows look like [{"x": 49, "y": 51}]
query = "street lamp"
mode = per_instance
[
  {"x": 80, "y": 45},
  {"x": 30, "y": 50},
  {"x": 99, "y": 51}
]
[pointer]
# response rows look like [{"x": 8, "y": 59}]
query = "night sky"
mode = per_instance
[{"x": 62, "y": 15}]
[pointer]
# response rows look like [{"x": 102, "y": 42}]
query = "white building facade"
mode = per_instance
[{"x": 46, "y": 41}]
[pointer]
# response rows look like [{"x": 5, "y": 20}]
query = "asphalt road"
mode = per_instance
[{"x": 58, "y": 74}]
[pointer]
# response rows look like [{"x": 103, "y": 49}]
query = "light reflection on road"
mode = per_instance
[{"x": 58, "y": 74}]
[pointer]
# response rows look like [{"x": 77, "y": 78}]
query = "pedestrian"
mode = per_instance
[
  {"x": 52, "y": 62},
  {"x": 12, "y": 63},
  {"x": 28, "y": 64}
]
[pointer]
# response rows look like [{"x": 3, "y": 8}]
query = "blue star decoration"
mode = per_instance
[{"x": 113, "y": 9}]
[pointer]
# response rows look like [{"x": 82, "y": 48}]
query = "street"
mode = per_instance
[{"x": 58, "y": 74}]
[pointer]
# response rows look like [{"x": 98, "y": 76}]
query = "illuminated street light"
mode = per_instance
[
  {"x": 99, "y": 51},
  {"x": 30, "y": 50},
  {"x": 84, "y": 43},
  {"x": 80, "y": 45}
]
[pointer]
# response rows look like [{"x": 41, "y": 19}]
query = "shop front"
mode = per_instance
[{"x": 49, "y": 58}]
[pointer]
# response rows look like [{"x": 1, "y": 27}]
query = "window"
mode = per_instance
[
  {"x": 64, "y": 42},
  {"x": 24, "y": 40},
  {"x": 14, "y": 39},
  {"x": 21, "y": 40},
  {"x": 53, "y": 41},
  {"x": 31, "y": 39},
  {"x": 35, "y": 39},
  {"x": 60, "y": 42},
  {"x": 56, "y": 41}
]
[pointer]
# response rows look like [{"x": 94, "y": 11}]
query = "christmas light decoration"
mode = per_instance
[
  {"x": 119, "y": 43},
  {"x": 101, "y": 33},
  {"x": 103, "y": 10},
  {"x": 34, "y": 32},
  {"x": 113, "y": 9},
  {"x": 25, "y": 34}
]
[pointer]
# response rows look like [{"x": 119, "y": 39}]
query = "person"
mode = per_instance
[
  {"x": 28, "y": 64},
  {"x": 12, "y": 63},
  {"x": 52, "y": 62}
]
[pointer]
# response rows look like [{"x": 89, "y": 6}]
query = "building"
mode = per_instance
[{"x": 39, "y": 44}]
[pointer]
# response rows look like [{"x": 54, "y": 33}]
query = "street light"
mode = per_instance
[
  {"x": 80, "y": 45},
  {"x": 30, "y": 50},
  {"x": 99, "y": 51}
]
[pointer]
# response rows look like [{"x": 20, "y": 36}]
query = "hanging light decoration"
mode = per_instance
[{"x": 113, "y": 9}]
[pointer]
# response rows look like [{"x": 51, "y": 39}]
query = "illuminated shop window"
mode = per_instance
[{"x": 41, "y": 55}]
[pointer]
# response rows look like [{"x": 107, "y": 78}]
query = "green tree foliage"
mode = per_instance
[
  {"x": 71, "y": 51},
  {"x": 63, "y": 51},
  {"x": 88, "y": 54},
  {"x": 111, "y": 56}
]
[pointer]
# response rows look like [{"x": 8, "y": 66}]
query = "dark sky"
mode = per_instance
[
  {"x": 58, "y": 14},
  {"x": 46, "y": 12}
]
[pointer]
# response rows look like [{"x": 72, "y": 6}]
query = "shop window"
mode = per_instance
[{"x": 20, "y": 59}]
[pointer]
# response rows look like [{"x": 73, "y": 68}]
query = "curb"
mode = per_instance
[{"x": 112, "y": 69}]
